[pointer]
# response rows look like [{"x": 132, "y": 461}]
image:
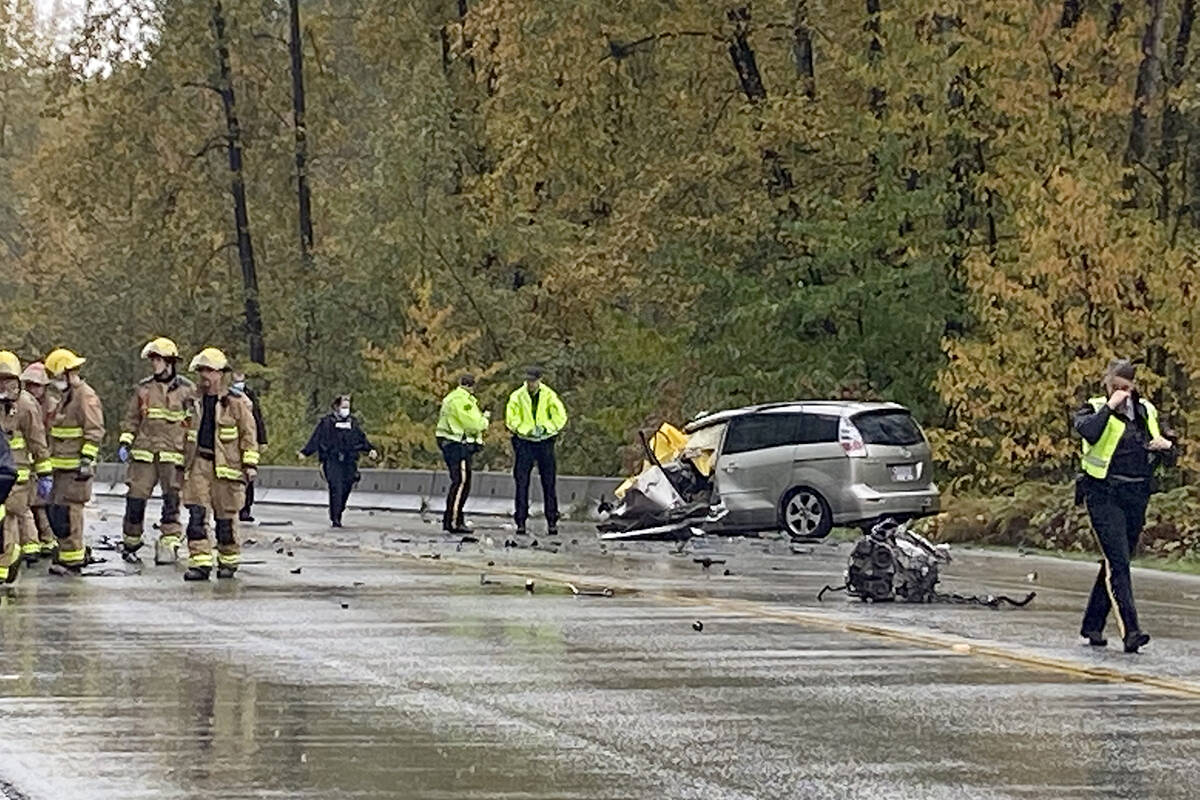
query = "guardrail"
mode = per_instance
[{"x": 404, "y": 490}]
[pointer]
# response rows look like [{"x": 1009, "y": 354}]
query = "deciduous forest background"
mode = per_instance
[{"x": 672, "y": 205}]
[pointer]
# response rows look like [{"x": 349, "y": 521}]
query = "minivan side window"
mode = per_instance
[
  {"x": 760, "y": 431},
  {"x": 819, "y": 429}
]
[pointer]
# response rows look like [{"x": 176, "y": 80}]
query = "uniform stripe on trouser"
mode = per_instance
[
  {"x": 200, "y": 560},
  {"x": 457, "y": 517}
]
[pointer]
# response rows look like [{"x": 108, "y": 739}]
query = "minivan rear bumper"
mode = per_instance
[{"x": 862, "y": 503}]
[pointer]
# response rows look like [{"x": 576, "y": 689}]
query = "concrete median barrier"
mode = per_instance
[{"x": 404, "y": 490}]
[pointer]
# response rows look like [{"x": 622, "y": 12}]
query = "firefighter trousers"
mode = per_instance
[
  {"x": 142, "y": 477},
  {"x": 458, "y": 457},
  {"x": 202, "y": 491},
  {"x": 19, "y": 518},
  {"x": 67, "y": 499},
  {"x": 1118, "y": 513}
]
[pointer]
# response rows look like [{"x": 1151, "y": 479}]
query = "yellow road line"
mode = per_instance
[{"x": 956, "y": 644}]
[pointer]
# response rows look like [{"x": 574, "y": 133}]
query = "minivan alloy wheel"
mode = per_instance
[{"x": 806, "y": 514}]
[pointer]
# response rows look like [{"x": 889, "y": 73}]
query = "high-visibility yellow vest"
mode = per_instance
[
  {"x": 543, "y": 422},
  {"x": 1097, "y": 457},
  {"x": 460, "y": 419}
]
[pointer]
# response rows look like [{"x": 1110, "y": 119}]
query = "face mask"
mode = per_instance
[
  {"x": 343, "y": 412},
  {"x": 239, "y": 385},
  {"x": 60, "y": 384}
]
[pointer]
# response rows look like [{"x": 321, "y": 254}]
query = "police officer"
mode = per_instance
[
  {"x": 337, "y": 441},
  {"x": 459, "y": 434},
  {"x": 1122, "y": 444},
  {"x": 535, "y": 416}
]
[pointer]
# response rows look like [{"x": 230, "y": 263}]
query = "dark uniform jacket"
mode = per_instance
[{"x": 338, "y": 439}]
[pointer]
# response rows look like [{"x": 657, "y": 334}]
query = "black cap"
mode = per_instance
[
  {"x": 533, "y": 373},
  {"x": 466, "y": 379}
]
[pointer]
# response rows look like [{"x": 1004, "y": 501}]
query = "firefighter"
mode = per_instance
[
  {"x": 535, "y": 416},
  {"x": 337, "y": 441},
  {"x": 459, "y": 434},
  {"x": 222, "y": 458},
  {"x": 260, "y": 424},
  {"x": 76, "y": 431},
  {"x": 1122, "y": 443},
  {"x": 23, "y": 423},
  {"x": 152, "y": 444},
  {"x": 35, "y": 381},
  {"x": 8, "y": 479}
]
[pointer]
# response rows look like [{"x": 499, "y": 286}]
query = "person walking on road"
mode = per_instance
[
  {"x": 152, "y": 443},
  {"x": 222, "y": 458},
  {"x": 337, "y": 441},
  {"x": 35, "y": 380},
  {"x": 535, "y": 416},
  {"x": 459, "y": 434},
  {"x": 1122, "y": 445},
  {"x": 75, "y": 436},
  {"x": 239, "y": 383}
]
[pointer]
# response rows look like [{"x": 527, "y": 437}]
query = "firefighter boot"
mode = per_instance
[
  {"x": 135, "y": 516},
  {"x": 166, "y": 550},
  {"x": 196, "y": 574}
]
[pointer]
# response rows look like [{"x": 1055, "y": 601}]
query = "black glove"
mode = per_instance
[{"x": 86, "y": 471}]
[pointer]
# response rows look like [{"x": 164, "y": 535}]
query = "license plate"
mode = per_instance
[{"x": 904, "y": 473}]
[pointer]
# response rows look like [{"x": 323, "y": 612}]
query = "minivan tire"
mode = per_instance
[{"x": 804, "y": 514}]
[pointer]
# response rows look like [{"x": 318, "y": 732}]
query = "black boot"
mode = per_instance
[
  {"x": 196, "y": 574},
  {"x": 224, "y": 573},
  {"x": 1136, "y": 640},
  {"x": 1095, "y": 638}
]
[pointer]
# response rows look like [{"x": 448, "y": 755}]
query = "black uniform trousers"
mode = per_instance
[
  {"x": 1118, "y": 512},
  {"x": 341, "y": 473},
  {"x": 248, "y": 509},
  {"x": 527, "y": 454},
  {"x": 458, "y": 457}
]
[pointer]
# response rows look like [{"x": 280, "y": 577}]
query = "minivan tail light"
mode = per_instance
[{"x": 850, "y": 439}]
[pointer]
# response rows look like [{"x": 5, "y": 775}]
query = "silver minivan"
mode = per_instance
[{"x": 800, "y": 467}]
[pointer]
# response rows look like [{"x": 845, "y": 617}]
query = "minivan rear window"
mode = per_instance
[{"x": 896, "y": 428}]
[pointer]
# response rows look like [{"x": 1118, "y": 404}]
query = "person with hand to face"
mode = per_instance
[
  {"x": 337, "y": 441},
  {"x": 1122, "y": 446}
]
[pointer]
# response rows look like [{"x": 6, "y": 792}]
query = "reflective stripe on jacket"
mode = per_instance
[
  {"x": 460, "y": 419},
  {"x": 77, "y": 429},
  {"x": 155, "y": 423},
  {"x": 1097, "y": 457},
  {"x": 235, "y": 438},
  {"x": 545, "y": 422},
  {"x": 27, "y": 437}
]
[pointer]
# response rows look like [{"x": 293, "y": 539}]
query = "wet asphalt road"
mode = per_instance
[{"x": 381, "y": 672}]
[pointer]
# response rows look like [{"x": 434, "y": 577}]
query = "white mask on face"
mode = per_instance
[
  {"x": 239, "y": 385},
  {"x": 60, "y": 384},
  {"x": 343, "y": 411}
]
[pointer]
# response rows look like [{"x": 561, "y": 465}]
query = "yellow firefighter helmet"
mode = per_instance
[
  {"x": 35, "y": 373},
  {"x": 161, "y": 347},
  {"x": 10, "y": 365},
  {"x": 61, "y": 360},
  {"x": 210, "y": 358}
]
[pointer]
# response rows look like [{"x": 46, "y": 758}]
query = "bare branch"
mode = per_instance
[{"x": 619, "y": 50}]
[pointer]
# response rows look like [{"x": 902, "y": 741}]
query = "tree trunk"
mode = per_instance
[
  {"x": 1171, "y": 117},
  {"x": 1144, "y": 93},
  {"x": 744, "y": 60},
  {"x": 303, "y": 193},
  {"x": 1072, "y": 11},
  {"x": 241, "y": 218},
  {"x": 877, "y": 98},
  {"x": 802, "y": 50}
]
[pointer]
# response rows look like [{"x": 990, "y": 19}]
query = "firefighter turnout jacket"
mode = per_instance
[
  {"x": 157, "y": 419},
  {"x": 234, "y": 446},
  {"x": 77, "y": 429},
  {"x": 26, "y": 429}
]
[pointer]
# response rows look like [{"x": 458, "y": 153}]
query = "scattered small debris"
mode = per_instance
[
  {"x": 707, "y": 562},
  {"x": 359, "y": 583},
  {"x": 278, "y": 551},
  {"x": 1032, "y": 577},
  {"x": 468, "y": 540},
  {"x": 534, "y": 543},
  {"x": 345, "y": 605},
  {"x": 290, "y": 554},
  {"x": 510, "y": 543},
  {"x": 401, "y": 540},
  {"x": 296, "y": 571},
  {"x": 483, "y": 580},
  {"x": 574, "y": 541},
  {"x": 529, "y": 585},
  {"x": 249, "y": 543},
  {"x": 433, "y": 556},
  {"x": 727, "y": 573},
  {"x": 278, "y": 540},
  {"x": 698, "y": 626},
  {"x": 491, "y": 563}
]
